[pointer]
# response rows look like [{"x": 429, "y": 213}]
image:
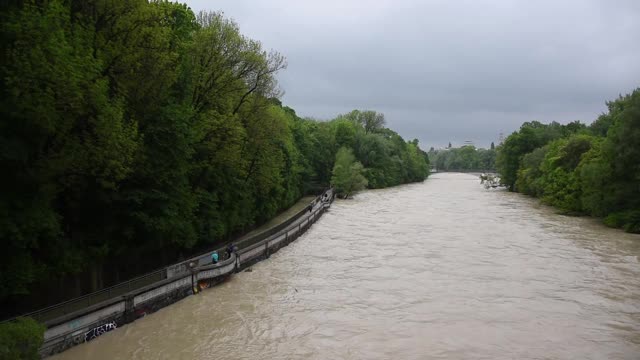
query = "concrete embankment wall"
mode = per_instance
[{"x": 180, "y": 281}]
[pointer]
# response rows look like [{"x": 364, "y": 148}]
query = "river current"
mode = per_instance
[{"x": 443, "y": 269}]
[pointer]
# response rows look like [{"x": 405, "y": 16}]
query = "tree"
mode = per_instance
[
  {"x": 66, "y": 140},
  {"x": 136, "y": 133},
  {"x": 486, "y": 159},
  {"x": 21, "y": 339},
  {"x": 372, "y": 121},
  {"x": 464, "y": 158},
  {"x": 316, "y": 143},
  {"x": 620, "y": 153},
  {"x": 560, "y": 181},
  {"x": 348, "y": 175},
  {"x": 418, "y": 162},
  {"x": 345, "y": 133},
  {"x": 530, "y": 136},
  {"x": 592, "y": 170},
  {"x": 529, "y": 174},
  {"x": 368, "y": 120}
]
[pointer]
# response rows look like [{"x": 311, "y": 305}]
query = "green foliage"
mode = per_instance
[
  {"x": 595, "y": 179},
  {"x": 136, "y": 132},
  {"x": 370, "y": 121},
  {"x": 627, "y": 220},
  {"x": 317, "y": 147},
  {"x": 530, "y": 173},
  {"x": 66, "y": 140},
  {"x": 344, "y": 132},
  {"x": 463, "y": 159},
  {"x": 530, "y": 136},
  {"x": 388, "y": 159},
  {"x": 581, "y": 170},
  {"x": 348, "y": 175},
  {"x": 559, "y": 178},
  {"x": 21, "y": 339}
]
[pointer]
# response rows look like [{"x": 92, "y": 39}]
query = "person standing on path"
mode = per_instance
[{"x": 231, "y": 249}]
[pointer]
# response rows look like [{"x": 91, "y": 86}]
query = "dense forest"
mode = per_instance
[
  {"x": 592, "y": 170},
  {"x": 464, "y": 158},
  {"x": 135, "y": 132}
]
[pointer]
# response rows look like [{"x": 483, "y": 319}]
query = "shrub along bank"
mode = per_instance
[{"x": 592, "y": 170}]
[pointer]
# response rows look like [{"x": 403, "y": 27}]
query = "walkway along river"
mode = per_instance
[{"x": 442, "y": 269}]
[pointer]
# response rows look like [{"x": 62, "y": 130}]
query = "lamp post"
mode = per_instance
[{"x": 192, "y": 266}]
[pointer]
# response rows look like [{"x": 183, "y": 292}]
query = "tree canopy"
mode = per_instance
[
  {"x": 465, "y": 158},
  {"x": 135, "y": 133},
  {"x": 580, "y": 169},
  {"x": 348, "y": 175}
]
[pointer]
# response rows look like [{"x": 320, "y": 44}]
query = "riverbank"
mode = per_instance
[
  {"x": 442, "y": 269},
  {"x": 175, "y": 283},
  {"x": 53, "y": 311},
  {"x": 578, "y": 168}
]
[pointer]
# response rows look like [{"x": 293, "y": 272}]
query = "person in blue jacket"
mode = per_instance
[{"x": 214, "y": 257}]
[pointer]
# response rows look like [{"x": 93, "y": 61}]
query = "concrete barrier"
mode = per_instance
[{"x": 181, "y": 281}]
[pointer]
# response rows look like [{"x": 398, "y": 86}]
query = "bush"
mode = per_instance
[
  {"x": 21, "y": 339},
  {"x": 628, "y": 220}
]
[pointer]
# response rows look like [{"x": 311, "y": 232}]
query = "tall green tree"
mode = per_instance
[
  {"x": 582, "y": 170},
  {"x": 464, "y": 158},
  {"x": 135, "y": 133},
  {"x": 348, "y": 173},
  {"x": 611, "y": 174},
  {"x": 530, "y": 136},
  {"x": 66, "y": 141}
]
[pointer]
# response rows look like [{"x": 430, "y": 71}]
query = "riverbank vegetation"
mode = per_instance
[
  {"x": 591, "y": 170},
  {"x": 134, "y": 133},
  {"x": 465, "y": 158},
  {"x": 373, "y": 156},
  {"x": 348, "y": 173},
  {"x": 21, "y": 339}
]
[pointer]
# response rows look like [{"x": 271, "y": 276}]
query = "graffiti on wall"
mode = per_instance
[{"x": 97, "y": 331}]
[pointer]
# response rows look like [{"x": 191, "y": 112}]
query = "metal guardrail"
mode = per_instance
[
  {"x": 69, "y": 306},
  {"x": 243, "y": 243},
  {"x": 68, "y": 330},
  {"x": 72, "y": 329},
  {"x": 55, "y": 311}
]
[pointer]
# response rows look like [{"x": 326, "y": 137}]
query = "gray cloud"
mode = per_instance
[{"x": 449, "y": 70}]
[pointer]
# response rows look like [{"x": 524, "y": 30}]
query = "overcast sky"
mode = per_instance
[{"x": 446, "y": 70}]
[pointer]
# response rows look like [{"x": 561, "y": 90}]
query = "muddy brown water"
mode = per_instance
[{"x": 444, "y": 269}]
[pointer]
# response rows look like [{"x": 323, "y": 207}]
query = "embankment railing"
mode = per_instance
[
  {"x": 58, "y": 310},
  {"x": 89, "y": 322}
]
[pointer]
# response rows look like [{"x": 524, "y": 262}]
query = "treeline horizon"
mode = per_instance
[
  {"x": 465, "y": 157},
  {"x": 135, "y": 132},
  {"x": 581, "y": 170}
]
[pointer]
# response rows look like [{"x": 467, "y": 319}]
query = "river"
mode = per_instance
[{"x": 443, "y": 269}]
